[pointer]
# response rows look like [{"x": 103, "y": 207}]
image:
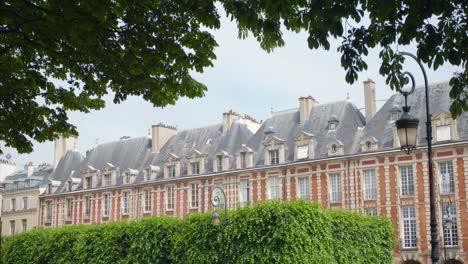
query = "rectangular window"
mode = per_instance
[
  {"x": 87, "y": 211},
  {"x": 371, "y": 211},
  {"x": 171, "y": 171},
  {"x": 12, "y": 227},
  {"x": 193, "y": 195},
  {"x": 443, "y": 133},
  {"x": 274, "y": 156},
  {"x": 274, "y": 188},
  {"x": 335, "y": 188},
  {"x": 126, "y": 178},
  {"x": 105, "y": 204},
  {"x": 304, "y": 188},
  {"x": 69, "y": 208},
  {"x": 25, "y": 203},
  {"x": 407, "y": 182},
  {"x": 449, "y": 212},
  {"x": 49, "y": 211},
  {"x": 125, "y": 202},
  {"x": 24, "y": 225},
  {"x": 89, "y": 182},
  {"x": 147, "y": 201},
  {"x": 409, "y": 227},
  {"x": 219, "y": 163},
  {"x": 195, "y": 167},
  {"x": 243, "y": 160},
  {"x": 170, "y": 197},
  {"x": 107, "y": 181},
  {"x": 370, "y": 185},
  {"x": 448, "y": 179},
  {"x": 303, "y": 152},
  {"x": 13, "y": 204},
  {"x": 245, "y": 192},
  {"x": 148, "y": 175}
]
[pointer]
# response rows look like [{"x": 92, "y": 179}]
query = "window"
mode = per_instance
[
  {"x": 245, "y": 192},
  {"x": 49, "y": 211},
  {"x": 370, "y": 185},
  {"x": 302, "y": 152},
  {"x": 448, "y": 179},
  {"x": 70, "y": 186},
  {"x": 243, "y": 160},
  {"x": 171, "y": 171},
  {"x": 219, "y": 163},
  {"x": 193, "y": 195},
  {"x": 450, "y": 234},
  {"x": 274, "y": 188},
  {"x": 147, "y": 201},
  {"x": 335, "y": 184},
  {"x": 12, "y": 227},
  {"x": 371, "y": 211},
  {"x": 25, "y": 203},
  {"x": 106, "y": 204},
  {"x": 13, "y": 204},
  {"x": 125, "y": 202},
  {"x": 126, "y": 178},
  {"x": 87, "y": 211},
  {"x": 170, "y": 193},
  {"x": 395, "y": 115},
  {"x": 274, "y": 156},
  {"x": 304, "y": 188},
  {"x": 88, "y": 182},
  {"x": 332, "y": 126},
  {"x": 195, "y": 167},
  {"x": 69, "y": 208},
  {"x": 107, "y": 181},
  {"x": 443, "y": 133},
  {"x": 409, "y": 227},
  {"x": 407, "y": 183},
  {"x": 148, "y": 175},
  {"x": 24, "y": 225},
  {"x": 333, "y": 148}
]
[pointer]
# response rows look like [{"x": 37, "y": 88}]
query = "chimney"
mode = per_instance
[
  {"x": 62, "y": 145},
  {"x": 306, "y": 104},
  {"x": 369, "y": 97},
  {"x": 29, "y": 168},
  {"x": 160, "y": 135},
  {"x": 228, "y": 119}
]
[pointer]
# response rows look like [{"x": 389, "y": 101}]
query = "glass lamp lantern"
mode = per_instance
[{"x": 407, "y": 129}]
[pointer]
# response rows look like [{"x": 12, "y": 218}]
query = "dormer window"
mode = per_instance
[
  {"x": 444, "y": 126},
  {"x": 221, "y": 161},
  {"x": 195, "y": 168},
  {"x": 171, "y": 166},
  {"x": 88, "y": 182},
  {"x": 130, "y": 175},
  {"x": 88, "y": 177},
  {"x": 274, "y": 150},
  {"x": 369, "y": 143},
  {"x": 107, "y": 180},
  {"x": 335, "y": 148},
  {"x": 196, "y": 162},
  {"x": 151, "y": 172},
  {"x": 333, "y": 123},
  {"x": 304, "y": 146},
  {"x": 70, "y": 186},
  {"x": 244, "y": 158},
  {"x": 109, "y": 173},
  {"x": 395, "y": 113}
]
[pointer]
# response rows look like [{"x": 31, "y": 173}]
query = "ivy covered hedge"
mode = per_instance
[{"x": 270, "y": 232}]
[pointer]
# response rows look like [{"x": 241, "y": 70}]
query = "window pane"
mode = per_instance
[
  {"x": 303, "y": 152},
  {"x": 407, "y": 182},
  {"x": 335, "y": 184},
  {"x": 448, "y": 179},
  {"x": 304, "y": 188},
  {"x": 273, "y": 183},
  {"x": 409, "y": 227},
  {"x": 245, "y": 192},
  {"x": 450, "y": 233},
  {"x": 370, "y": 185}
]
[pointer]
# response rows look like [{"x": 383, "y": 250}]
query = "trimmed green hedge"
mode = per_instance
[{"x": 270, "y": 232}]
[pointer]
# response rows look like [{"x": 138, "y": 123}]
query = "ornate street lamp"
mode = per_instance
[
  {"x": 407, "y": 127},
  {"x": 218, "y": 199}
]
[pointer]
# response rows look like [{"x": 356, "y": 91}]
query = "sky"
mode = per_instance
[{"x": 244, "y": 78}]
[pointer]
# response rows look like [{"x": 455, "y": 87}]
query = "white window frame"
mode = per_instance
[
  {"x": 219, "y": 163},
  {"x": 409, "y": 227},
  {"x": 370, "y": 184},
  {"x": 443, "y": 133},
  {"x": 447, "y": 176},
  {"x": 106, "y": 204},
  {"x": 194, "y": 194},
  {"x": 147, "y": 200},
  {"x": 69, "y": 212},
  {"x": 107, "y": 180},
  {"x": 274, "y": 191},
  {"x": 303, "y": 185},
  {"x": 273, "y": 154},
  {"x": 13, "y": 204},
  {"x": 171, "y": 171},
  {"x": 245, "y": 194},
  {"x": 24, "y": 225},
  {"x": 372, "y": 211},
  {"x": 336, "y": 195},
  {"x": 125, "y": 202},
  {"x": 170, "y": 198},
  {"x": 87, "y": 207},
  {"x": 12, "y": 227},
  {"x": 49, "y": 212},
  {"x": 195, "y": 166},
  {"x": 407, "y": 180},
  {"x": 450, "y": 236},
  {"x": 88, "y": 182},
  {"x": 26, "y": 203},
  {"x": 243, "y": 160},
  {"x": 302, "y": 152}
]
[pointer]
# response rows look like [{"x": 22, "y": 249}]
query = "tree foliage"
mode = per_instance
[
  {"x": 149, "y": 48},
  {"x": 271, "y": 232}
]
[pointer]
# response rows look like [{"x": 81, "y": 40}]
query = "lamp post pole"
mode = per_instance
[
  {"x": 216, "y": 202},
  {"x": 433, "y": 223}
]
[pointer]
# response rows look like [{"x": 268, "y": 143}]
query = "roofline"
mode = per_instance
[{"x": 246, "y": 170}]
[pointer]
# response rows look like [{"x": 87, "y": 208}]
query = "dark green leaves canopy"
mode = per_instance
[{"x": 148, "y": 48}]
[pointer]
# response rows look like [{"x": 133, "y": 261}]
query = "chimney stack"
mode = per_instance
[
  {"x": 228, "y": 119},
  {"x": 306, "y": 104},
  {"x": 29, "y": 168},
  {"x": 369, "y": 98},
  {"x": 160, "y": 135},
  {"x": 62, "y": 145}
]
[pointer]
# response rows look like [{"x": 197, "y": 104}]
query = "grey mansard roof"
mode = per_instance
[
  {"x": 136, "y": 154},
  {"x": 40, "y": 176}
]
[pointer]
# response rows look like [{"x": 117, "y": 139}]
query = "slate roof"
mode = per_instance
[
  {"x": 40, "y": 176},
  {"x": 136, "y": 154}
]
